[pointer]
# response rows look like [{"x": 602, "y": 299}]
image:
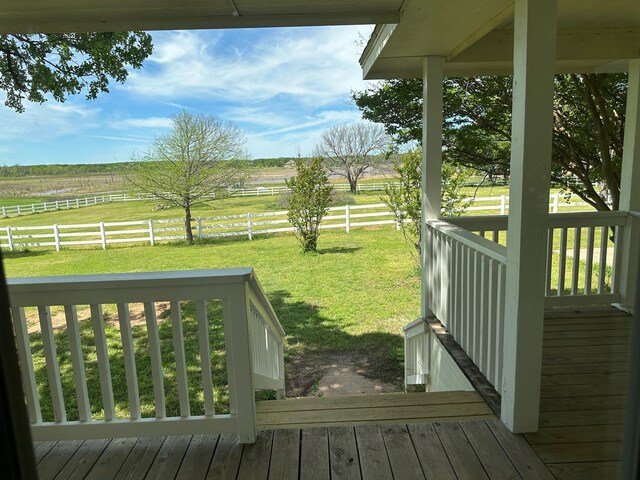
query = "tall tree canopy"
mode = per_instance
[
  {"x": 192, "y": 163},
  {"x": 34, "y": 66},
  {"x": 588, "y": 126},
  {"x": 350, "y": 150}
]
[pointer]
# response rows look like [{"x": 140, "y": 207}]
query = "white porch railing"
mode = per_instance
[
  {"x": 467, "y": 272},
  {"x": 582, "y": 253},
  {"x": 253, "y": 350},
  {"x": 416, "y": 353},
  {"x": 466, "y": 279}
]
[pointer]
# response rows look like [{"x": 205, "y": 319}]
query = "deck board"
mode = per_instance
[
  {"x": 374, "y": 463},
  {"x": 314, "y": 454},
  {"x": 584, "y": 380},
  {"x": 402, "y": 456}
]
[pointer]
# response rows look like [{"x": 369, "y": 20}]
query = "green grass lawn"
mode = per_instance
[{"x": 356, "y": 294}]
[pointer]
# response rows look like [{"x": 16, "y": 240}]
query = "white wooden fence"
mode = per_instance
[
  {"x": 152, "y": 231},
  {"x": 252, "y": 332},
  {"x": 242, "y": 225},
  {"x": 43, "y": 207},
  {"x": 498, "y": 204}
]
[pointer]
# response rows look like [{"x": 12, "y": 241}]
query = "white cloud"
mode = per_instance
[
  {"x": 149, "y": 122},
  {"x": 316, "y": 66},
  {"x": 42, "y": 122}
]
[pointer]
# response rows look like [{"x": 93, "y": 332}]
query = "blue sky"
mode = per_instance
[{"x": 283, "y": 87}]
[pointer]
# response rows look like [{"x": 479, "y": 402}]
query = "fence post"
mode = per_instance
[
  {"x": 347, "y": 218},
  {"x": 33, "y": 208},
  {"x": 152, "y": 239},
  {"x": 77, "y": 203},
  {"x": 67, "y": 204},
  {"x": 56, "y": 237},
  {"x": 556, "y": 201},
  {"x": 503, "y": 204},
  {"x": 9, "y": 239},
  {"x": 18, "y": 210},
  {"x": 249, "y": 227},
  {"x": 199, "y": 228},
  {"x": 45, "y": 206},
  {"x": 4, "y": 211},
  {"x": 103, "y": 236}
]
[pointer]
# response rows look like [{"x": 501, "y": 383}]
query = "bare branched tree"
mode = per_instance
[
  {"x": 350, "y": 150},
  {"x": 198, "y": 159}
]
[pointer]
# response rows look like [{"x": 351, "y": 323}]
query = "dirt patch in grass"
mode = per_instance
[
  {"x": 341, "y": 373},
  {"x": 136, "y": 315}
]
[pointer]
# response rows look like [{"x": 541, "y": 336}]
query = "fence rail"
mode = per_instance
[
  {"x": 500, "y": 203},
  {"x": 253, "y": 353},
  {"x": 241, "y": 225}
]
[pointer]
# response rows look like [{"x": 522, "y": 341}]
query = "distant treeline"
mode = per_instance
[{"x": 15, "y": 171}]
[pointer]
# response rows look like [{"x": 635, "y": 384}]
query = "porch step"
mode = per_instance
[{"x": 371, "y": 409}]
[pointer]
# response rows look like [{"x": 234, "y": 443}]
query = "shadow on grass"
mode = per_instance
[
  {"x": 24, "y": 253},
  {"x": 322, "y": 251},
  {"x": 309, "y": 332}
]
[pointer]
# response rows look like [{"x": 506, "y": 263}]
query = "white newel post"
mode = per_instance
[
  {"x": 630, "y": 190},
  {"x": 531, "y": 137},
  {"x": 239, "y": 361},
  {"x": 432, "y": 73}
]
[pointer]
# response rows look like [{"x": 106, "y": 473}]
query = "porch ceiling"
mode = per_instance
[
  {"x": 476, "y": 37},
  {"x": 55, "y": 16}
]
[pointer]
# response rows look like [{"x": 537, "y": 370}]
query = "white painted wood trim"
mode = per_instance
[
  {"x": 26, "y": 364},
  {"x": 156, "y": 359},
  {"x": 77, "y": 362},
  {"x": 205, "y": 357},
  {"x": 630, "y": 189},
  {"x": 102, "y": 352},
  {"x": 133, "y": 394},
  {"x": 432, "y": 117},
  {"x": 181, "y": 364},
  {"x": 534, "y": 62},
  {"x": 51, "y": 359},
  {"x": 134, "y": 428}
]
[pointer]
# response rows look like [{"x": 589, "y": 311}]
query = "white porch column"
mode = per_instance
[
  {"x": 432, "y": 76},
  {"x": 630, "y": 188},
  {"x": 531, "y": 137}
]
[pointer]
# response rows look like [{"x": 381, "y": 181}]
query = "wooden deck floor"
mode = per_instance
[
  {"x": 584, "y": 381},
  {"x": 472, "y": 449}
]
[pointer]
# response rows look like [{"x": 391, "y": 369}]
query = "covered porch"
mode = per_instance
[{"x": 489, "y": 290}]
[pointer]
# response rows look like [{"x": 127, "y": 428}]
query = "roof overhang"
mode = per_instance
[
  {"x": 476, "y": 38},
  {"x": 58, "y": 16}
]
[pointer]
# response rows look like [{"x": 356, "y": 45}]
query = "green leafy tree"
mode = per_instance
[
  {"x": 405, "y": 198},
  {"x": 351, "y": 150},
  {"x": 588, "y": 114},
  {"x": 193, "y": 163},
  {"x": 308, "y": 202},
  {"x": 62, "y": 64}
]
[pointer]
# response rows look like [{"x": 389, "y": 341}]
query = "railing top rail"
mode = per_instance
[
  {"x": 483, "y": 245},
  {"x": 121, "y": 287},
  {"x": 259, "y": 292}
]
